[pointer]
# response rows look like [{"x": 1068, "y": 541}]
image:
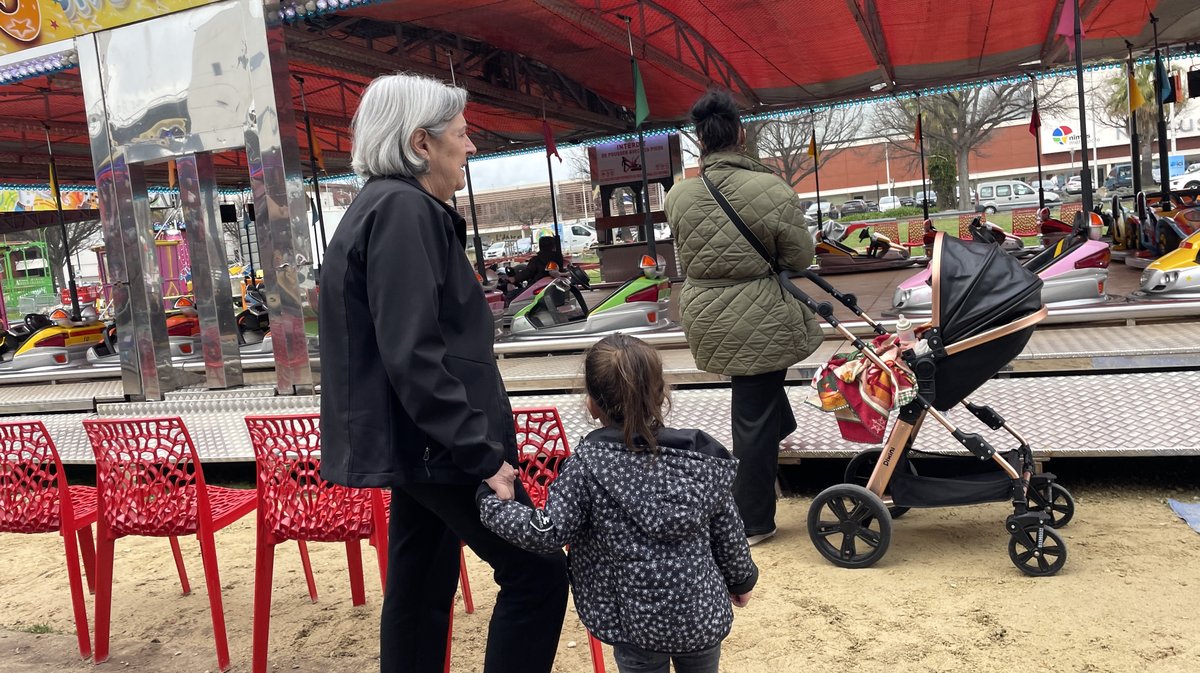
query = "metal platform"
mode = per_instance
[
  {"x": 1149, "y": 414},
  {"x": 1050, "y": 350},
  {"x": 1077, "y": 416}
]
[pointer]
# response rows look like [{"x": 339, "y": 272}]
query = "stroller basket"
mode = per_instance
[{"x": 968, "y": 486}]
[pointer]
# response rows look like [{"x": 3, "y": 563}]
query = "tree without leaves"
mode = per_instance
[
  {"x": 959, "y": 122},
  {"x": 529, "y": 212},
  {"x": 783, "y": 143},
  {"x": 78, "y": 234}
]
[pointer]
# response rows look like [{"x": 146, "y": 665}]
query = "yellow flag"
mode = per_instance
[
  {"x": 812, "y": 145},
  {"x": 171, "y": 173},
  {"x": 1136, "y": 100},
  {"x": 316, "y": 149}
]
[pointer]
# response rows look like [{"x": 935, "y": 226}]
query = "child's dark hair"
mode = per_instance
[
  {"x": 715, "y": 115},
  {"x": 624, "y": 377}
]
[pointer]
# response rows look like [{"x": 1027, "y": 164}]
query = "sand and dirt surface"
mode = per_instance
[{"x": 944, "y": 598}]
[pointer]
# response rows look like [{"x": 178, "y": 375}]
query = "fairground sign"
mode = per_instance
[{"x": 31, "y": 23}]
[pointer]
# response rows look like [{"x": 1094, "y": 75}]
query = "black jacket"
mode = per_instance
[
  {"x": 410, "y": 391},
  {"x": 656, "y": 542}
]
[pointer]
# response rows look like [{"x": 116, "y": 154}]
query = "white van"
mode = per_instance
[
  {"x": 1009, "y": 193},
  {"x": 577, "y": 238}
]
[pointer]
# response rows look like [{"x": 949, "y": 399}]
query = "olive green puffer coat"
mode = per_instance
[{"x": 738, "y": 321}]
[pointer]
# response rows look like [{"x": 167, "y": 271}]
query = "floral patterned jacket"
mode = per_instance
[{"x": 656, "y": 542}]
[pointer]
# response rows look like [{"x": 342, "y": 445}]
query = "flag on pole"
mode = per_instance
[
  {"x": 316, "y": 149},
  {"x": 1166, "y": 92},
  {"x": 1136, "y": 99},
  {"x": 917, "y": 134},
  {"x": 548, "y": 135},
  {"x": 171, "y": 173},
  {"x": 641, "y": 107},
  {"x": 1066, "y": 26},
  {"x": 1035, "y": 121},
  {"x": 812, "y": 145}
]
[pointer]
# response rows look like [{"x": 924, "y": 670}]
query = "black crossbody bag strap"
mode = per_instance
[{"x": 737, "y": 222}]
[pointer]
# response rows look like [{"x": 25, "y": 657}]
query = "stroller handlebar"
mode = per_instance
[{"x": 825, "y": 309}]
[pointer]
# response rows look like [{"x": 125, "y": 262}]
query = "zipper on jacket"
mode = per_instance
[{"x": 426, "y": 461}]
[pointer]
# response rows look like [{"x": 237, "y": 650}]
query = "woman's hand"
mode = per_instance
[
  {"x": 740, "y": 600},
  {"x": 502, "y": 482}
]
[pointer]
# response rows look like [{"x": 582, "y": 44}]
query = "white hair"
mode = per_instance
[{"x": 393, "y": 108}]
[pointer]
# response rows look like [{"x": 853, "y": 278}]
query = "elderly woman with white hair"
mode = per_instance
[{"x": 411, "y": 397}]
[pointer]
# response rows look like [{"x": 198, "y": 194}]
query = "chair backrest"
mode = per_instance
[
  {"x": 890, "y": 228},
  {"x": 1066, "y": 211},
  {"x": 34, "y": 497},
  {"x": 541, "y": 448},
  {"x": 293, "y": 500},
  {"x": 964, "y": 225},
  {"x": 914, "y": 232},
  {"x": 1025, "y": 222},
  {"x": 148, "y": 476}
]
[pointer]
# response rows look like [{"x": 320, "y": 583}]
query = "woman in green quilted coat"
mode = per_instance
[{"x": 738, "y": 321}]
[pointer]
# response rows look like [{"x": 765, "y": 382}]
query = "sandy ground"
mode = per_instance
[{"x": 945, "y": 598}]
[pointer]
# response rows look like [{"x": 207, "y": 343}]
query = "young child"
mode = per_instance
[{"x": 657, "y": 549}]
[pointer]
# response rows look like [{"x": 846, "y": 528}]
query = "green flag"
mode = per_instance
[{"x": 642, "y": 108}]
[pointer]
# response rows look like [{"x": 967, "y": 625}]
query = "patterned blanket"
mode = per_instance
[{"x": 862, "y": 394}]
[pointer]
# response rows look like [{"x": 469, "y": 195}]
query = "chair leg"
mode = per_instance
[
  {"x": 77, "y": 604},
  {"x": 597, "y": 651},
  {"x": 104, "y": 575},
  {"x": 308, "y": 573},
  {"x": 212, "y": 580},
  {"x": 264, "y": 567},
  {"x": 87, "y": 547},
  {"x": 379, "y": 542},
  {"x": 354, "y": 560},
  {"x": 466, "y": 583},
  {"x": 183, "y": 578}
]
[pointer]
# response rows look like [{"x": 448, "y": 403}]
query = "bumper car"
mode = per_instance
[
  {"x": 1175, "y": 275},
  {"x": 835, "y": 257},
  {"x": 50, "y": 341},
  {"x": 641, "y": 304},
  {"x": 183, "y": 335},
  {"x": 1073, "y": 272}
]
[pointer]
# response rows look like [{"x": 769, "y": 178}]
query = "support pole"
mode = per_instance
[
  {"x": 1083, "y": 130},
  {"x": 1164, "y": 166},
  {"x": 316, "y": 183},
  {"x": 479, "y": 266},
  {"x": 1135, "y": 142},
  {"x": 1037, "y": 141},
  {"x": 76, "y": 316},
  {"x": 921, "y": 146}
]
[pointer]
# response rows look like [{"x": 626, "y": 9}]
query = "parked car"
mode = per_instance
[
  {"x": 925, "y": 197},
  {"x": 1119, "y": 177},
  {"x": 827, "y": 210},
  {"x": 855, "y": 206},
  {"x": 907, "y": 201},
  {"x": 1189, "y": 180},
  {"x": 887, "y": 203},
  {"x": 495, "y": 250},
  {"x": 1010, "y": 193}
]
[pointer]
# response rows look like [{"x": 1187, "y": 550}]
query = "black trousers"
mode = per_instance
[
  {"x": 761, "y": 418},
  {"x": 428, "y": 520}
]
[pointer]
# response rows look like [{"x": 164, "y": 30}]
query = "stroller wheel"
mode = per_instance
[
  {"x": 849, "y": 526},
  {"x": 1054, "y": 500},
  {"x": 858, "y": 471},
  {"x": 1037, "y": 560}
]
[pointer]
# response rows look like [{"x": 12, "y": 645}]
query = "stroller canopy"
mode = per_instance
[{"x": 977, "y": 286}]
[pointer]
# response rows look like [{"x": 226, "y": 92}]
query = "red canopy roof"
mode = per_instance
[{"x": 569, "y": 60}]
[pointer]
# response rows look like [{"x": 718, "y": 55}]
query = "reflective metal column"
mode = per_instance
[
  {"x": 210, "y": 271},
  {"x": 281, "y": 211}
]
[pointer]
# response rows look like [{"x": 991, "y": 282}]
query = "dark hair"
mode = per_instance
[
  {"x": 716, "y": 118},
  {"x": 624, "y": 376}
]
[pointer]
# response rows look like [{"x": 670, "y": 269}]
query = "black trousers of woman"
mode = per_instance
[
  {"x": 762, "y": 417},
  {"x": 428, "y": 520}
]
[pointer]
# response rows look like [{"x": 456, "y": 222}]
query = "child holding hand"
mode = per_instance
[{"x": 658, "y": 552}]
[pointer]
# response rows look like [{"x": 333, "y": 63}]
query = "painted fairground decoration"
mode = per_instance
[
  {"x": 23, "y": 200},
  {"x": 29, "y": 23}
]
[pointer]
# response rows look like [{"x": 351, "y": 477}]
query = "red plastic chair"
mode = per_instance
[
  {"x": 295, "y": 503},
  {"x": 35, "y": 498},
  {"x": 541, "y": 449},
  {"x": 914, "y": 233},
  {"x": 964, "y": 225},
  {"x": 149, "y": 482},
  {"x": 1025, "y": 222}
]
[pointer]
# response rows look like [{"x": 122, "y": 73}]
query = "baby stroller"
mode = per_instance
[{"x": 985, "y": 307}]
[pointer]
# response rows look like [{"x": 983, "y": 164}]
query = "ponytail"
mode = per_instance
[{"x": 624, "y": 377}]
